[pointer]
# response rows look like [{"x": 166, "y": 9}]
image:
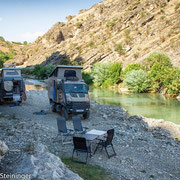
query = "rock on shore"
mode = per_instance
[
  {"x": 43, "y": 165},
  {"x": 3, "y": 149}
]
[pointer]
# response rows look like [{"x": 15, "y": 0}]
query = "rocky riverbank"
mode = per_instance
[{"x": 146, "y": 148}]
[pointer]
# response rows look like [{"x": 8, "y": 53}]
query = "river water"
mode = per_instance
[{"x": 148, "y": 105}]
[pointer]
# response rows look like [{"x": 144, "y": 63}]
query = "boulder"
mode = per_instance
[
  {"x": 43, "y": 165},
  {"x": 3, "y": 149}
]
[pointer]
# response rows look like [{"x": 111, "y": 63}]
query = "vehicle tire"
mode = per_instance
[
  {"x": 65, "y": 113},
  {"x": 53, "y": 105},
  {"x": 86, "y": 115},
  {"x": 20, "y": 101}
]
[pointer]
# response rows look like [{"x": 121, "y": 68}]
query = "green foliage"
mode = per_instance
[
  {"x": 132, "y": 67},
  {"x": 27, "y": 71},
  {"x": 165, "y": 77},
  {"x": 174, "y": 85},
  {"x": 106, "y": 74},
  {"x": 5, "y": 56},
  {"x": 1, "y": 38},
  {"x": 100, "y": 72},
  {"x": 75, "y": 63},
  {"x": 91, "y": 44},
  {"x": 25, "y": 42},
  {"x": 112, "y": 23},
  {"x": 79, "y": 25},
  {"x": 107, "y": 83},
  {"x": 115, "y": 72},
  {"x": 119, "y": 48},
  {"x": 65, "y": 61},
  {"x": 86, "y": 171},
  {"x": 156, "y": 57},
  {"x": 19, "y": 43},
  {"x": 39, "y": 71},
  {"x": 9, "y": 45},
  {"x": 87, "y": 77},
  {"x": 137, "y": 81}
]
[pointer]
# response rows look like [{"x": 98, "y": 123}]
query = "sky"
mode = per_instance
[{"x": 25, "y": 20}]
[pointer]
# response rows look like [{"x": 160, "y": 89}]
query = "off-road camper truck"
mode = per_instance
[
  {"x": 12, "y": 86},
  {"x": 67, "y": 91}
]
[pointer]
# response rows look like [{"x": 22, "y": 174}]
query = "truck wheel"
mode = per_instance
[
  {"x": 65, "y": 113},
  {"x": 86, "y": 115},
  {"x": 53, "y": 105},
  {"x": 20, "y": 101}
]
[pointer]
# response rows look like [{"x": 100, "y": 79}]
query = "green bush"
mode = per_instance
[
  {"x": 107, "y": 83},
  {"x": 156, "y": 57},
  {"x": 1, "y": 38},
  {"x": 5, "y": 56},
  {"x": 65, "y": 61},
  {"x": 165, "y": 77},
  {"x": 137, "y": 80},
  {"x": 87, "y": 77},
  {"x": 19, "y": 43},
  {"x": 115, "y": 72},
  {"x": 106, "y": 74},
  {"x": 91, "y": 44},
  {"x": 174, "y": 86},
  {"x": 79, "y": 25},
  {"x": 131, "y": 67},
  {"x": 27, "y": 71},
  {"x": 41, "y": 72},
  {"x": 119, "y": 48},
  {"x": 100, "y": 72}
]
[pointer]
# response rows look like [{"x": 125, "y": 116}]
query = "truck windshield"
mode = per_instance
[{"x": 76, "y": 88}]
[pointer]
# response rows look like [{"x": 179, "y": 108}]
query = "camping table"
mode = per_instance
[{"x": 94, "y": 134}]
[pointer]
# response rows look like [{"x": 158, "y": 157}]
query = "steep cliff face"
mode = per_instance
[{"x": 113, "y": 30}]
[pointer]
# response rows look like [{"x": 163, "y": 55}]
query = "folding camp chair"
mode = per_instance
[
  {"x": 63, "y": 131},
  {"x": 107, "y": 143},
  {"x": 81, "y": 146},
  {"x": 78, "y": 128}
]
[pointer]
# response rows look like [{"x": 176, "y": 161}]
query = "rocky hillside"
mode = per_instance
[
  {"x": 113, "y": 30},
  {"x": 7, "y": 47}
]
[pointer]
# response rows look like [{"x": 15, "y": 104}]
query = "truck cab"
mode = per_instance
[
  {"x": 67, "y": 91},
  {"x": 12, "y": 86}
]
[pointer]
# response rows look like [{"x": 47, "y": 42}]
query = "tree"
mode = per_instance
[
  {"x": 115, "y": 72},
  {"x": 100, "y": 72},
  {"x": 156, "y": 57},
  {"x": 137, "y": 80},
  {"x": 131, "y": 67}
]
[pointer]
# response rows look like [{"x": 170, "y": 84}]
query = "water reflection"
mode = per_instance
[{"x": 148, "y": 105}]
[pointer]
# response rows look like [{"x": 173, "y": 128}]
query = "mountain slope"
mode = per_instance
[
  {"x": 8, "y": 50},
  {"x": 113, "y": 30}
]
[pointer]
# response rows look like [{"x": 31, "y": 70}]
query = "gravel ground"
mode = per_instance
[{"x": 145, "y": 149}]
